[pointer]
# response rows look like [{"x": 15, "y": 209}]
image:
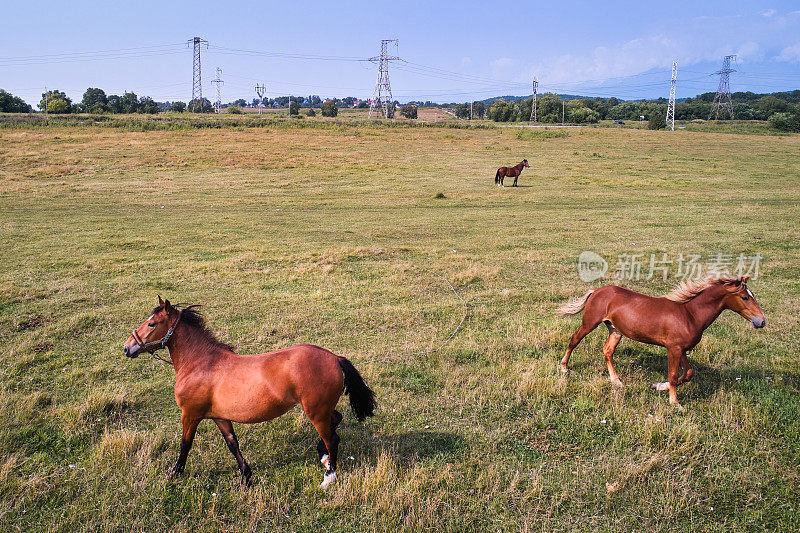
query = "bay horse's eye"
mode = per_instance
[
  {"x": 151, "y": 325},
  {"x": 745, "y": 298}
]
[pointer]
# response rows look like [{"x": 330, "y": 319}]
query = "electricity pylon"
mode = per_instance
[
  {"x": 197, "y": 84},
  {"x": 723, "y": 98},
  {"x": 671, "y": 106},
  {"x": 218, "y": 82},
  {"x": 382, "y": 95}
]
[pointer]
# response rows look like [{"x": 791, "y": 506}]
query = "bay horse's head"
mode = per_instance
[
  {"x": 525, "y": 163},
  {"x": 740, "y": 299},
  {"x": 154, "y": 332}
]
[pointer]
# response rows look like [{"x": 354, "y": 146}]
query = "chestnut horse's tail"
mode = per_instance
[
  {"x": 574, "y": 306},
  {"x": 362, "y": 399}
]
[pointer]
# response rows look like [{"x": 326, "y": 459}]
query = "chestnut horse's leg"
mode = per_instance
[
  {"x": 608, "y": 352},
  {"x": 226, "y": 428},
  {"x": 189, "y": 424},
  {"x": 687, "y": 370},
  {"x": 591, "y": 319},
  {"x": 675, "y": 357}
]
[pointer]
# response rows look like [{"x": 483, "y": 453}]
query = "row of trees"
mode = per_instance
[
  {"x": 96, "y": 101},
  {"x": 13, "y": 104},
  {"x": 746, "y": 106},
  {"x": 779, "y": 108}
]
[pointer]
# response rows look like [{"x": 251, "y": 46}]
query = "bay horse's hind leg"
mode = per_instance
[
  {"x": 322, "y": 450},
  {"x": 226, "y": 428},
  {"x": 608, "y": 352},
  {"x": 591, "y": 319},
  {"x": 331, "y": 441}
]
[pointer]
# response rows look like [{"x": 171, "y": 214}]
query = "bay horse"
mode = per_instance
[
  {"x": 675, "y": 321},
  {"x": 212, "y": 381},
  {"x": 510, "y": 172}
]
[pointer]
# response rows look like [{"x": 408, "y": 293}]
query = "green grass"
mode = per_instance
[{"x": 290, "y": 234}]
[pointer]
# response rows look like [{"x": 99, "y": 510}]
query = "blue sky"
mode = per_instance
[{"x": 452, "y": 51}]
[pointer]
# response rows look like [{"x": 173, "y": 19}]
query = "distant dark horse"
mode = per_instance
[{"x": 509, "y": 172}]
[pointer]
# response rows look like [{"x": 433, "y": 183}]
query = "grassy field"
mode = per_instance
[{"x": 323, "y": 235}]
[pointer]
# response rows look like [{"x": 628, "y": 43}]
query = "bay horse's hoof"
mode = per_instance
[
  {"x": 564, "y": 369},
  {"x": 329, "y": 478},
  {"x": 174, "y": 473},
  {"x": 662, "y": 386},
  {"x": 617, "y": 383},
  {"x": 325, "y": 460}
]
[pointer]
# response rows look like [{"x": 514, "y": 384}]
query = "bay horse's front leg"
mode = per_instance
[
  {"x": 189, "y": 429},
  {"x": 515, "y": 180},
  {"x": 226, "y": 428}
]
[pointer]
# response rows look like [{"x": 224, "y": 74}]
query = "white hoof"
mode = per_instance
[
  {"x": 325, "y": 461},
  {"x": 664, "y": 385},
  {"x": 327, "y": 480}
]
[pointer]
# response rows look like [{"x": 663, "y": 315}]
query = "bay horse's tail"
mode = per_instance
[
  {"x": 362, "y": 399},
  {"x": 574, "y": 306},
  {"x": 497, "y": 176}
]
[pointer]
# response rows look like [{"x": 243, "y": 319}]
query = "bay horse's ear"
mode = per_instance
[
  {"x": 745, "y": 278},
  {"x": 167, "y": 307},
  {"x": 160, "y": 301}
]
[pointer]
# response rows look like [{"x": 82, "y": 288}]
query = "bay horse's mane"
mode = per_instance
[
  {"x": 687, "y": 290},
  {"x": 191, "y": 316}
]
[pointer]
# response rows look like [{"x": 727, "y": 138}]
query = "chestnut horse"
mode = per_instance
[
  {"x": 675, "y": 321},
  {"x": 510, "y": 172},
  {"x": 211, "y": 381}
]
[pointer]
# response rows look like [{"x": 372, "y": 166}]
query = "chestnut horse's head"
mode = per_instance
[
  {"x": 154, "y": 332},
  {"x": 525, "y": 163},
  {"x": 740, "y": 299}
]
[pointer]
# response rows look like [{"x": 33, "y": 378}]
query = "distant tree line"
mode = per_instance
[
  {"x": 13, "y": 104},
  {"x": 746, "y": 106},
  {"x": 781, "y": 109}
]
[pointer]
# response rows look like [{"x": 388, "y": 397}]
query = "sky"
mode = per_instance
[{"x": 450, "y": 51}]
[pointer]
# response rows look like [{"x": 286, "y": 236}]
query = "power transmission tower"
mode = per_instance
[
  {"x": 671, "y": 106},
  {"x": 261, "y": 91},
  {"x": 382, "y": 95},
  {"x": 723, "y": 100},
  {"x": 197, "y": 84},
  {"x": 218, "y": 82},
  {"x": 533, "y": 104}
]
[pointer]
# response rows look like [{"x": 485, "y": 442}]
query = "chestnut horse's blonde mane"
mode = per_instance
[{"x": 686, "y": 290}]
